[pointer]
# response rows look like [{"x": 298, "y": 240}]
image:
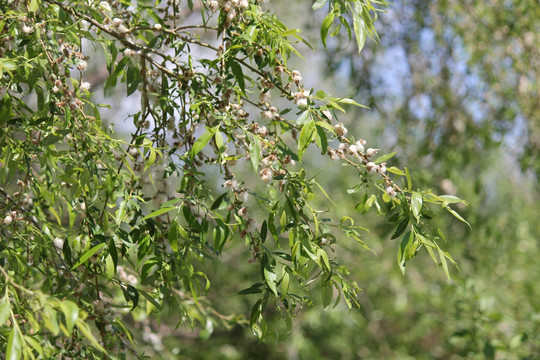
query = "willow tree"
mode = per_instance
[{"x": 95, "y": 226}]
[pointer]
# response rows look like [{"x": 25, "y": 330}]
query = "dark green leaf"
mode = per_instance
[
  {"x": 322, "y": 140},
  {"x": 402, "y": 226},
  {"x": 253, "y": 289},
  {"x": 238, "y": 74}
]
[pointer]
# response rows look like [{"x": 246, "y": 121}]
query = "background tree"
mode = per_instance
[{"x": 104, "y": 237}]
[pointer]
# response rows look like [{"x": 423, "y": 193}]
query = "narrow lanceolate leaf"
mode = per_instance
[
  {"x": 385, "y": 157},
  {"x": 87, "y": 255},
  {"x": 255, "y": 151},
  {"x": 13, "y": 350},
  {"x": 325, "y": 27},
  {"x": 416, "y": 204},
  {"x": 359, "y": 31},
  {"x": 404, "y": 247},
  {"x": 285, "y": 281},
  {"x": 457, "y": 216},
  {"x": 238, "y": 74},
  {"x": 5, "y": 311},
  {"x": 160, "y": 212},
  {"x": 306, "y": 136},
  {"x": 400, "y": 229},
  {"x": 202, "y": 141}
]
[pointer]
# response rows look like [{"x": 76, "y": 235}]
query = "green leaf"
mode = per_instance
[
  {"x": 50, "y": 319},
  {"x": 404, "y": 247},
  {"x": 385, "y": 157},
  {"x": 402, "y": 226},
  {"x": 71, "y": 313},
  {"x": 285, "y": 282},
  {"x": 395, "y": 170},
  {"x": 109, "y": 267},
  {"x": 150, "y": 299},
  {"x": 202, "y": 141},
  {"x": 359, "y": 31},
  {"x": 238, "y": 74},
  {"x": 134, "y": 295},
  {"x": 219, "y": 141},
  {"x": 416, "y": 203},
  {"x": 409, "y": 180},
  {"x": 306, "y": 136},
  {"x": 459, "y": 217},
  {"x": 34, "y": 344},
  {"x": 270, "y": 277},
  {"x": 87, "y": 255},
  {"x": 218, "y": 201},
  {"x": 319, "y": 4},
  {"x": 327, "y": 22},
  {"x": 443, "y": 262},
  {"x": 450, "y": 199},
  {"x": 34, "y": 5},
  {"x": 160, "y": 212},
  {"x": 351, "y": 102},
  {"x": 322, "y": 141},
  {"x": 85, "y": 329},
  {"x": 304, "y": 118},
  {"x": 173, "y": 236},
  {"x": 13, "y": 350},
  {"x": 5, "y": 311},
  {"x": 133, "y": 79},
  {"x": 255, "y": 151},
  {"x": 253, "y": 289},
  {"x": 323, "y": 256},
  {"x": 327, "y": 291}
]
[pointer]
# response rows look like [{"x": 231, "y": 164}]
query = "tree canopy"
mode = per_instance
[{"x": 210, "y": 213}]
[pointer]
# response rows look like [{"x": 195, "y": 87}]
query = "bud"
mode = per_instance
[
  {"x": 230, "y": 184},
  {"x": 296, "y": 77},
  {"x": 371, "y": 152},
  {"x": 266, "y": 175},
  {"x": 360, "y": 145},
  {"x": 340, "y": 129},
  {"x": 242, "y": 212},
  {"x": 82, "y": 65},
  {"x": 85, "y": 86},
  {"x": 390, "y": 191},
  {"x": 58, "y": 243},
  {"x": 117, "y": 22},
  {"x": 8, "y": 220},
  {"x": 371, "y": 167},
  {"x": 213, "y": 5}
]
